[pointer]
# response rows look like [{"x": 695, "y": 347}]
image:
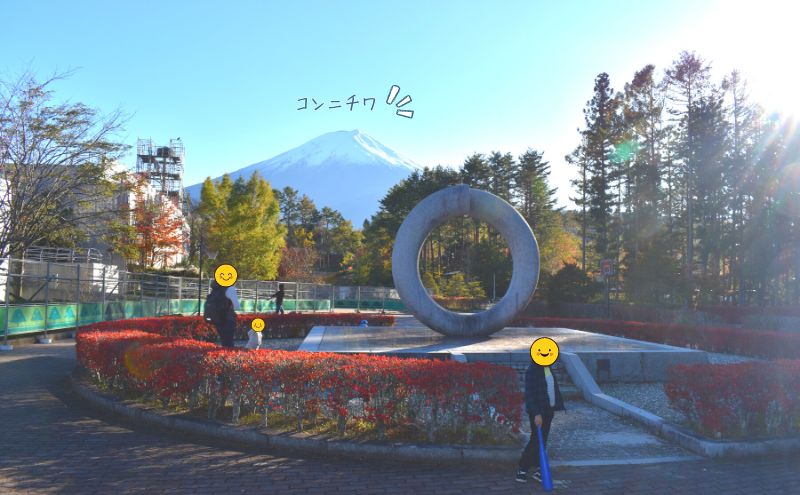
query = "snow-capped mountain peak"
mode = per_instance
[
  {"x": 340, "y": 146},
  {"x": 322, "y": 166}
]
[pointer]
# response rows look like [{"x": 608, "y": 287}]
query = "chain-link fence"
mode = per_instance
[{"x": 39, "y": 295}]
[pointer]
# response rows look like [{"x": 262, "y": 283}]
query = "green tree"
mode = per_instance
[
  {"x": 501, "y": 167},
  {"x": 537, "y": 205},
  {"x": 307, "y": 214},
  {"x": 571, "y": 285},
  {"x": 601, "y": 128},
  {"x": 686, "y": 81},
  {"x": 242, "y": 224},
  {"x": 476, "y": 172},
  {"x": 642, "y": 119},
  {"x": 745, "y": 120},
  {"x": 374, "y": 257},
  {"x": 429, "y": 282},
  {"x": 345, "y": 241},
  {"x": 578, "y": 159},
  {"x": 289, "y": 207}
]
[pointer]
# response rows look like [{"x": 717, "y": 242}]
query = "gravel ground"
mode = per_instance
[
  {"x": 717, "y": 358},
  {"x": 651, "y": 396},
  {"x": 647, "y": 396},
  {"x": 585, "y": 431}
]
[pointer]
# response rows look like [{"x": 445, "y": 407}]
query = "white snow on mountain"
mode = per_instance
[{"x": 349, "y": 171}]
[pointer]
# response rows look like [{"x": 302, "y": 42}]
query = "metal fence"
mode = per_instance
[{"x": 39, "y": 295}]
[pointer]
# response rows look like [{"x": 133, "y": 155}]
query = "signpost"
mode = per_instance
[{"x": 607, "y": 269}]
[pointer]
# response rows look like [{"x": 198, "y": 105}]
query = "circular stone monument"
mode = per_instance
[{"x": 436, "y": 209}]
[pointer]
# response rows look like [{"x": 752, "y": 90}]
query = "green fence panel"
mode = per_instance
[
  {"x": 148, "y": 308},
  {"x": 90, "y": 313},
  {"x": 31, "y": 318},
  {"x": 189, "y": 306},
  {"x": 388, "y": 304},
  {"x": 115, "y": 310},
  {"x": 265, "y": 306},
  {"x": 58, "y": 317},
  {"x": 24, "y": 319},
  {"x": 395, "y": 305}
]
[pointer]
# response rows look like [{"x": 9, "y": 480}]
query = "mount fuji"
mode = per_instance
[{"x": 348, "y": 171}]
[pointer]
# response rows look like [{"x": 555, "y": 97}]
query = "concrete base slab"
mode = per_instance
[{"x": 607, "y": 358}]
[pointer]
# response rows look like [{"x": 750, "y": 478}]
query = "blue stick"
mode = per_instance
[{"x": 544, "y": 464}]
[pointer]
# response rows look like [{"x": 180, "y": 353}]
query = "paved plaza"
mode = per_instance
[
  {"x": 410, "y": 336},
  {"x": 621, "y": 359},
  {"x": 52, "y": 443}
]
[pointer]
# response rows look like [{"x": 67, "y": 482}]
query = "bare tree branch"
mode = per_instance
[{"x": 55, "y": 160}]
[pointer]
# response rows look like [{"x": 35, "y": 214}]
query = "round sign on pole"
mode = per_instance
[{"x": 607, "y": 267}]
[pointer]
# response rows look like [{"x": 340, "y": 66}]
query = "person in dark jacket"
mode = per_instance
[
  {"x": 278, "y": 299},
  {"x": 542, "y": 399},
  {"x": 224, "y": 318}
]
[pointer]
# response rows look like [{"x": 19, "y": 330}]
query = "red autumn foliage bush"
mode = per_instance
[
  {"x": 735, "y": 400},
  {"x": 386, "y": 391},
  {"x": 194, "y": 327},
  {"x": 104, "y": 353},
  {"x": 757, "y": 343}
]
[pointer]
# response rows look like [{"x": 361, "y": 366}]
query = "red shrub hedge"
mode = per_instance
[
  {"x": 758, "y": 343},
  {"x": 194, "y": 327},
  {"x": 737, "y": 314},
  {"x": 386, "y": 391},
  {"x": 733, "y": 400}
]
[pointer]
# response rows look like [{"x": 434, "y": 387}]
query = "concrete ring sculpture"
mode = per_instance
[{"x": 436, "y": 209}]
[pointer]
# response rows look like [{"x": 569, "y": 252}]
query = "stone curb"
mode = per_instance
[
  {"x": 263, "y": 441},
  {"x": 658, "y": 425},
  {"x": 32, "y": 338}
]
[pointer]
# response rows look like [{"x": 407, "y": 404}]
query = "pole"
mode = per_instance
[
  {"x": 78, "y": 304},
  {"x": 46, "y": 297},
  {"x": 358, "y": 299},
  {"x": 200, "y": 274},
  {"x": 141, "y": 294},
  {"x": 314, "y": 297},
  {"x": 160, "y": 291},
  {"x": 180, "y": 294},
  {"x": 6, "y": 346},
  {"x": 103, "y": 296},
  {"x": 608, "y": 296}
]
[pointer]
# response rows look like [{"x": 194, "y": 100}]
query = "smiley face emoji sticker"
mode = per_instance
[
  {"x": 544, "y": 351},
  {"x": 225, "y": 275},
  {"x": 257, "y": 324}
]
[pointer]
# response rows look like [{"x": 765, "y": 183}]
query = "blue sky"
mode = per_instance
[{"x": 483, "y": 76}]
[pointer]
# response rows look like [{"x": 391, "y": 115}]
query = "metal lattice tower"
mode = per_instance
[{"x": 162, "y": 166}]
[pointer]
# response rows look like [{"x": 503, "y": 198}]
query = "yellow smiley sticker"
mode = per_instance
[
  {"x": 544, "y": 351},
  {"x": 225, "y": 275},
  {"x": 257, "y": 324}
]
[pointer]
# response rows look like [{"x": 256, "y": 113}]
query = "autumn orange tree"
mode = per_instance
[{"x": 159, "y": 229}]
